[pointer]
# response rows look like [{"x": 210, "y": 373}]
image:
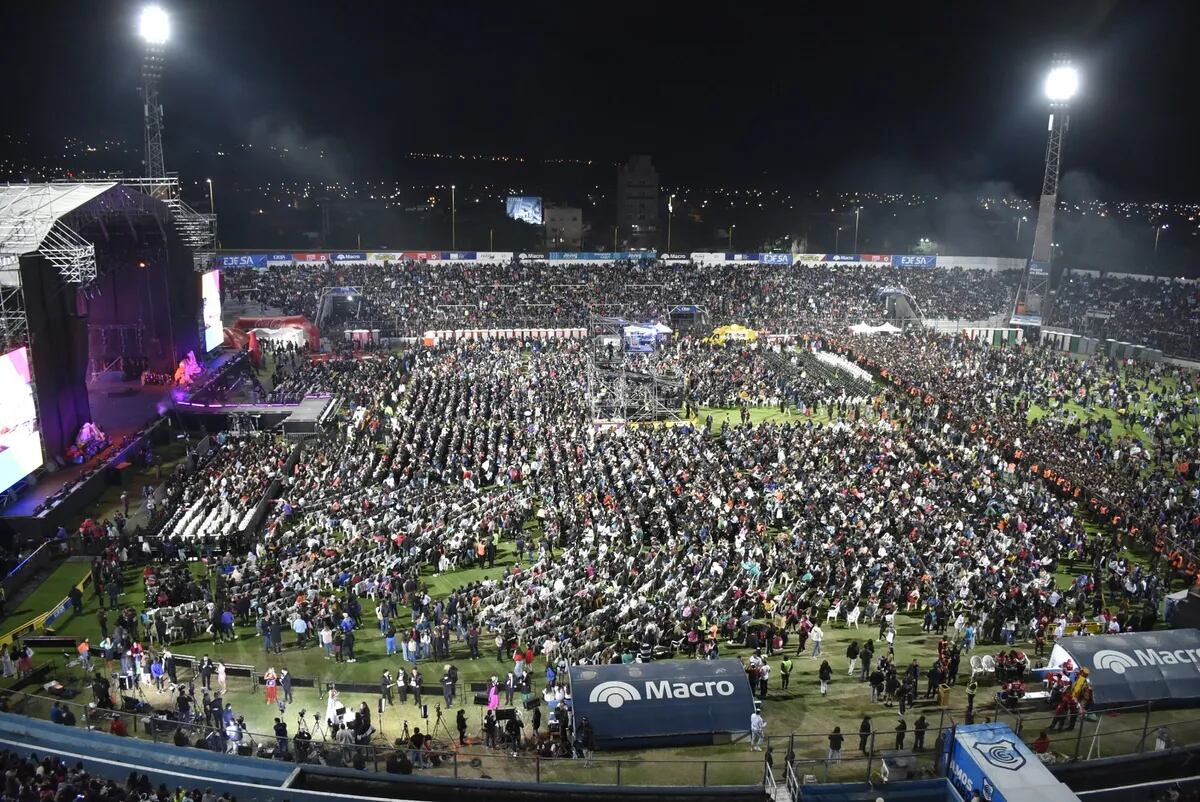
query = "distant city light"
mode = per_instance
[{"x": 154, "y": 26}]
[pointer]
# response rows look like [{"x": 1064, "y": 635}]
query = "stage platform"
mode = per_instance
[{"x": 302, "y": 418}]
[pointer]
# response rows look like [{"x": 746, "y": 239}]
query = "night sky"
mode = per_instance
[{"x": 845, "y": 95}]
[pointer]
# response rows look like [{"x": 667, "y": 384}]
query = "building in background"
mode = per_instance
[
  {"x": 564, "y": 228},
  {"x": 637, "y": 204}
]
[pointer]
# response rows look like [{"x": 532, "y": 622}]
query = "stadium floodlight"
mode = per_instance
[
  {"x": 154, "y": 25},
  {"x": 1062, "y": 82}
]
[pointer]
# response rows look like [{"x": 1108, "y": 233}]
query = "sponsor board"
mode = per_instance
[
  {"x": 310, "y": 257},
  {"x": 241, "y": 260},
  {"x": 914, "y": 260},
  {"x": 348, "y": 256}
]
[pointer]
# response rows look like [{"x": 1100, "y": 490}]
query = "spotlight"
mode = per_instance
[
  {"x": 154, "y": 26},
  {"x": 142, "y": 264},
  {"x": 1062, "y": 82}
]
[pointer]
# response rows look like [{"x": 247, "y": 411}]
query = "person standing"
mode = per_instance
[
  {"x": 785, "y": 671},
  {"x": 285, "y": 682},
  {"x": 901, "y": 731},
  {"x": 817, "y": 635},
  {"x": 461, "y": 722},
  {"x": 836, "y": 739},
  {"x": 824, "y": 674},
  {"x": 764, "y": 673},
  {"x": 271, "y": 682},
  {"x": 852, "y": 656},
  {"x": 864, "y": 734},
  {"x": 758, "y": 731},
  {"x": 919, "y": 736}
]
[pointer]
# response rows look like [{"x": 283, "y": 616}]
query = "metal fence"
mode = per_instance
[{"x": 446, "y": 758}]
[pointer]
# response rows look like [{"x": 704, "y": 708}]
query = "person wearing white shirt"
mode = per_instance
[{"x": 758, "y": 731}]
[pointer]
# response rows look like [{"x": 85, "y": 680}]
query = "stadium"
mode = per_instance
[{"x": 297, "y": 521}]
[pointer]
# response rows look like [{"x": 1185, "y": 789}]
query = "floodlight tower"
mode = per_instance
[
  {"x": 1062, "y": 83},
  {"x": 154, "y": 26}
]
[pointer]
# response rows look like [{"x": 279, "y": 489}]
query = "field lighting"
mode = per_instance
[
  {"x": 1062, "y": 82},
  {"x": 154, "y": 26}
]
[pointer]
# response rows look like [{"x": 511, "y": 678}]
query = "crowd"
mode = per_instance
[
  {"x": 31, "y": 778},
  {"x": 1161, "y": 314},
  {"x": 406, "y": 299},
  {"x": 946, "y": 488}
]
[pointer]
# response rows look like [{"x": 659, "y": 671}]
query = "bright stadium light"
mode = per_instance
[
  {"x": 154, "y": 26},
  {"x": 1062, "y": 82}
]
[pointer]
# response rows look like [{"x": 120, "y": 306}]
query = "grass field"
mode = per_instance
[{"x": 800, "y": 710}]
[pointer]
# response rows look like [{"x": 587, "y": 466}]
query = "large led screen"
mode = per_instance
[
  {"x": 210, "y": 299},
  {"x": 20, "y": 441},
  {"x": 527, "y": 209}
]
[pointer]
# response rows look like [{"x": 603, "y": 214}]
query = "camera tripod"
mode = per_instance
[
  {"x": 318, "y": 727},
  {"x": 440, "y": 723}
]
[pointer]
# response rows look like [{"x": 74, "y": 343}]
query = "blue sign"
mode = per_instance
[
  {"x": 1037, "y": 268},
  {"x": 990, "y": 760},
  {"x": 347, "y": 257},
  {"x": 841, "y": 257},
  {"x": 242, "y": 260},
  {"x": 663, "y": 702},
  {"x": 775, "y": 258},
  {"x": 590, "y": 256},
  {"x": 458, "y": 256},
  {"x": 741, "y": 257},
  {"x": 279, "y": 257},
  {"x": 902, "y": 260}
]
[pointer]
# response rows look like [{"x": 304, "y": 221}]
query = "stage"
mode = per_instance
[{"x": 125, "y": 411}]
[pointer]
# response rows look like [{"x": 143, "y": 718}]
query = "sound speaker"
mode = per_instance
[{"x": 532, "y": 704}]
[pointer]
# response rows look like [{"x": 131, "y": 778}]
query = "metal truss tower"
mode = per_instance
[
  {"x": 152, "y": 69},
  {"x": 1032, "y": 302}
]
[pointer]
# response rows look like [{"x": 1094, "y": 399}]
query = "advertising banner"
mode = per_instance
[
  {"x": 241, "y": 260},
  {"x": 532, "y": 257},
  {"x": 458, "y": 256},
  {"x": 841, "y": 257},
  {"x": 310, "y": 257},
  {"x": 1137, "y": 667},
  {"x": 279, "y": 258},
  {"x": 1037, "y": 268},
  {"x": 379, "y": 258},
  {"x": 875, "y": 258},
  {"x": 775, "y": 258},
  {"x": 588, "y": 256},
  {"x": 494, "y": 257},
  {"x": 919, "y": 260},
  {"x": 741, "y": 257},
  {"x": 808, "y": 258},
  {"x": 663, "y": 702},
  {"x": 991, "y": 761},
  {"x": 674, "y": 257},
  {"x": 348, "y": 256},
  {"x": 422, "y": 256}
]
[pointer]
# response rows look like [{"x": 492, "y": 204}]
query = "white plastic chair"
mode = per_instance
[
  {"x": 989, "y": 664},
  {"x": 853, "y": 616},
  {"x": 833, "y": 613},
  {"x": 976, "y": 665}
]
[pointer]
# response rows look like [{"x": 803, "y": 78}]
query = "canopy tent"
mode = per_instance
[
  {"x": 867, "y": 328},
  {"x": 731, "y": 333},
  {"x": 663, "y": 702},
  {"x": 1137, "y": 667}
]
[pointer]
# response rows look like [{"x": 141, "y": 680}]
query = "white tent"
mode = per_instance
[{"x": 867, "y": 328}]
